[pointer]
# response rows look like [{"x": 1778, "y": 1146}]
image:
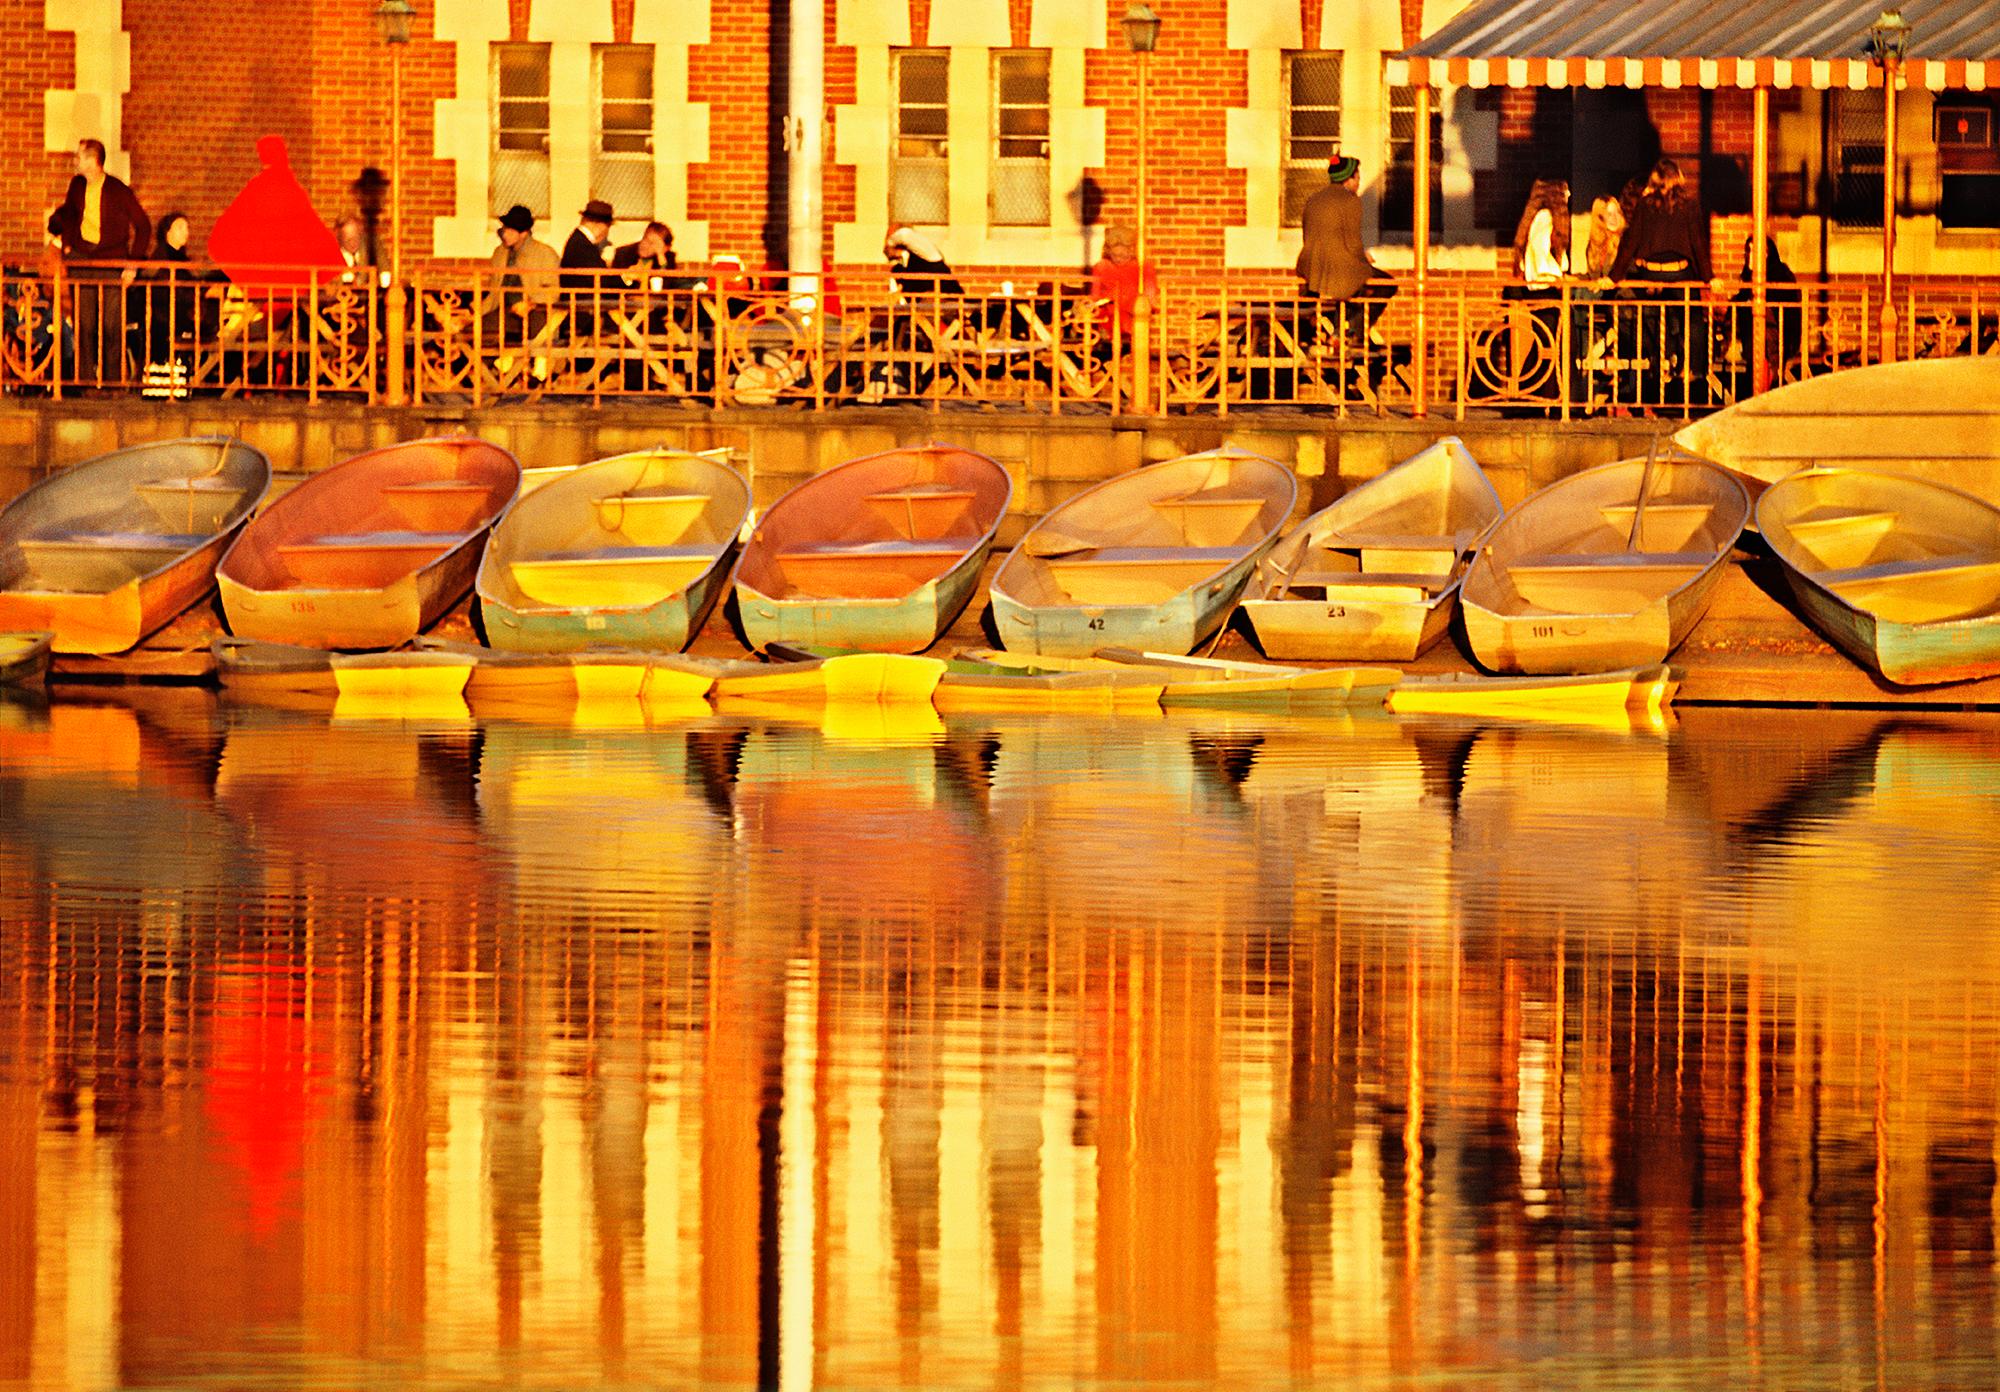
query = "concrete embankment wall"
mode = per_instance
[{"x": 1051, "y": 458}]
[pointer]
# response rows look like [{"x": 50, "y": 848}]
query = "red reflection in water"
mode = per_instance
[{"x": 266, "y": 1075}]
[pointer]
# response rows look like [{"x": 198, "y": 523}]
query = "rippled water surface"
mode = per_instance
[{"x": 1023, "y": 1052}]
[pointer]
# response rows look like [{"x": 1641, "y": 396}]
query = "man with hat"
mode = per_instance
[
  {"x": 584, "y": 253},
  {"x": 527, "y": 273},
  {"x": 1333, "y": 264}
]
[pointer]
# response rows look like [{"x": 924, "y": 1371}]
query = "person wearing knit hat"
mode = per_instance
[
  {"x": 1342, "y": 168},
  {"x": 1333, "y": 264}
]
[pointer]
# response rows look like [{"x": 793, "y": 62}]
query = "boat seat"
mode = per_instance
[
  {"x": 1138, "y": 574},
  {"x": 611, "y": 577},
  {"x": 1212, "y": 517},
  {"x": 1214, "y": 557},
  {"x": 1374, "y": 584},
  {"x": 1835, "y": 520},
  {"x": 1604, "y": 582},
  {"x": 187, "y": 501},
  {"x": 361, "y": 560},
  {"x": 1887, "y": 573},
  {"x": 92, "y": 562},
  {"x": 868, "y": 569},
  {"x": 1403, "y": 552},
  {"x": 435, "y": 505},
  {"x": 650, "y": 517},
  {"x": 1600, "y": 562},
  {"x": 922, "y": 511}
]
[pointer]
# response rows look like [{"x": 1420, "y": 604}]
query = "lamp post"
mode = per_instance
[
  {"x": 1888, "y": 41},
  {"x": 393, "y": 17},
  {"x": 1142, "y": 36}
]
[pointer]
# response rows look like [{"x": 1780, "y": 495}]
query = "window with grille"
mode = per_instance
[
  {"x": 1018, "y": 195},
  {"x": 621, "y": 163},
  {"x": 1399, "y": 178},
  {"x": 520, "y": 128},
  {"x": 1968, "y": 160},
  {"x": 1855, "y": 160},
  {"x": 1312, "y": 127},
  {"x": 919, "y": 184}
]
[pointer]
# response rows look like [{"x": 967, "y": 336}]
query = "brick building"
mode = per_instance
[{"x": 1008, "y": 127}]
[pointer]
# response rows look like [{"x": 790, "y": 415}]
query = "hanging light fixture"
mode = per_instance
[
  {"x": 1142, "y": 28},
  {"x": 393, "y": 18}
]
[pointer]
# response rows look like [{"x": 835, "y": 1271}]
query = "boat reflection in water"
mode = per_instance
[{"x": 849, "y": 1050}]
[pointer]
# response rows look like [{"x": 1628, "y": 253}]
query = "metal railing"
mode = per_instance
[{"x": 477, "y": 337}]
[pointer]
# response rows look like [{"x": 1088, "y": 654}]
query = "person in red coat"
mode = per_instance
[
  {"x": 1118, "y": 280},
  {"x": 100, "y": 223}
]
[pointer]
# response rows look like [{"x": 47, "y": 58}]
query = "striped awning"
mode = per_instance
[{"x": 1701, "y": 43}]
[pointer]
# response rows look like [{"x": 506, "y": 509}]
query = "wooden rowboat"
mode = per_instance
[
  {"x": 1900, "y": 573},
  {"x": 1644, "y": 691},
  {"x": 628, "y": 552},
  {"x": 1173, "y": 680},
  {"x": 1931, "y": 418},
  {"x": 878, "y": 554},
  {"x": 107, "y": 551},
  {"x": 531, "y": 679},
  {"x": 1604, "y": 569},
  {"x": 24, "y": 658},
  {"x": 867, "y": 677},
  {"x": 1151, "y": 559},
  {"x": 1376, "y": 575},
  {"x": 370, "y": 552}
]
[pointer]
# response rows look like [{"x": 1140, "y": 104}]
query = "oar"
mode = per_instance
[{"x": 1645, "y": 486}]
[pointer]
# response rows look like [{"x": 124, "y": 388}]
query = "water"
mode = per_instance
[{"x": 1033, "y": 1052}]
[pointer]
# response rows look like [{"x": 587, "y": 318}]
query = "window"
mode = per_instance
[
  {"x": 1854, "y": 161},
  {"x": 621, "y": 164},
  {"x": 919, "y": 186},
  {"x": 520, "y": 128},
  {"x": 1019, "y": 193},
  {"x": 1399, "y": 179},
  {"x": 1312, "y": 127},
  {"x": 1968, "y": 160}
]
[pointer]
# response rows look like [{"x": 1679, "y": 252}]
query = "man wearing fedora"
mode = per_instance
[
  {"x": 584, "y": 253},
  {"x": 526, "y": 274}
]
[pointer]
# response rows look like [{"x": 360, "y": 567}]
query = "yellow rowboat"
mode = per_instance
[
  {"x": 1937, "y": 419},
  {"x": 992, "y": 689},
  {"x": 628, "y": 552},
  {"x": 884, "y": 678},
  {"x": 533, "y": 679},
  {"x": 105, "y": 552},
  {"x": 1153, "y": 558},
  {"x": 1902, "y": 574},
  {"x": 416, "y": 677},
  {"x": 1219, "y": 684},
  {"x": 1375, "y": 576},
  {"x": 1641, "y": 690},
  {"x": 24, "y": 658},
  {"x": 249, "y": 668},
  {"x": 1132, "y": 688},
  {"x": 1603, "y": 570},
  {"x": 370, "y": 552}
]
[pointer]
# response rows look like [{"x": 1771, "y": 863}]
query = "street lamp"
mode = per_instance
[
  {"x": 1142, "y": 36},
  {"x": 1888, "y": 40}
]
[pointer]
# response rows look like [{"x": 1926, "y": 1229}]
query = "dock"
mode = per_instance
[{"x": 1750, "y": 649}]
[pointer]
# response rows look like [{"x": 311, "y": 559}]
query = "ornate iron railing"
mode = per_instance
[{"x": 472, "y": 336}]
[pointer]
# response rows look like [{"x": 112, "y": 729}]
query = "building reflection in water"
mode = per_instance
[{"x": 992, "y": 1052}]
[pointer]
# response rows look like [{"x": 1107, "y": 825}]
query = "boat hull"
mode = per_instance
[
  {"x": 908, "y": 624},
  {"x": 1327, "y": 631},
  {"x": 1181, "y": 625},
  {"x": 343, "y": 618},
  {"x": 664, "y": 627},
  {"x": 1903, "y": 654},
  {"x": 24, "y": 658}
]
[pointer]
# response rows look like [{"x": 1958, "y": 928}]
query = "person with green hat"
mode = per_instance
[{"x": 1333, "y": 264}]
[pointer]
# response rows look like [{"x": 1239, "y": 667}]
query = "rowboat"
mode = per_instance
[
  {"x": 251, "y": 668},
  {"x": 627, "y": 552},
  {"x": 1132, "y": 687},
  {"x": 1173, "y": 680},
  {"x": 1645, "y": 691},
  {"x": 870, "y": 677},
  {"x": 1152, "y": 559},
  {"x": 1604, "y": 569},
  {"x": 1932, "y": 418},
  {"x": 107, "y": 551},
  {"x": 371, "y": 551},
  {"x": 1376, "y": 575},
  {"x": 414, "y": 677},
  {"x": 24, "y": 658},
  {"x": 501, "y": 678},
  {"x": 1903, "y": 575},
  {"x": 879, "y": 553}
]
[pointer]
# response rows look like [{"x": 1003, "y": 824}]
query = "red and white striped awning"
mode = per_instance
[
  {"x": 1819, "y": 74},
  {"x": 1815, "y": 44}
]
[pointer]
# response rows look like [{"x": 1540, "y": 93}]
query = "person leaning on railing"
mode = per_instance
[
  {"x": 1118, "y": 280},
  {"x": 100, "y": 223},
  {"x": 1663, "y": 259}
]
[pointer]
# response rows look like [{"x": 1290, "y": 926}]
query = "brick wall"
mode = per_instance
[{"x": 31, "y": 61}]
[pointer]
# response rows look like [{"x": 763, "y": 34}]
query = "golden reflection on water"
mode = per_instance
[{"x": 857, "y": 1051}]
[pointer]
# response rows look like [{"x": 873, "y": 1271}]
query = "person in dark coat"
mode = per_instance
[
  {"x": 1783, "y": 316},
  {"x": 581, "y": 254},
  {"x": 1333, "y": 263},
  {"x": 1663, "y": 258},
  {"x": 170, "y": 302},
  {"x": 100, "y": 221}
]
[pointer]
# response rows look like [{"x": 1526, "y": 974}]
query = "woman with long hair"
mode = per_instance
[
  {"x": 1663, "y": 258},
  {"x": 1541, "y": 240}
]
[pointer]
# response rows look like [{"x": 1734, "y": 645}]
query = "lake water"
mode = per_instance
[{"x": 1032, "y": 1052}]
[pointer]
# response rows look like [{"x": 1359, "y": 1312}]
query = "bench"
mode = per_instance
[
  {"x": 1925, "y": 589},
  {"x": 650, "y": 517},
  {"x": 192, "y": 502},
  {"x": 93, "y": 562},
  {"x": 1607, "y": 581},
  {"x": 1678, "y": 521},
  {"x": 1371, "y": 587},
  {"x": 438, "y": 505},
  {"x": 363, "y": 560},
  {"x": 1138, "y": 574},
  {"x": 1408, "y": 552},
  {"x": 922, "y": 511},
  {"x": 611, "y": 577}
]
